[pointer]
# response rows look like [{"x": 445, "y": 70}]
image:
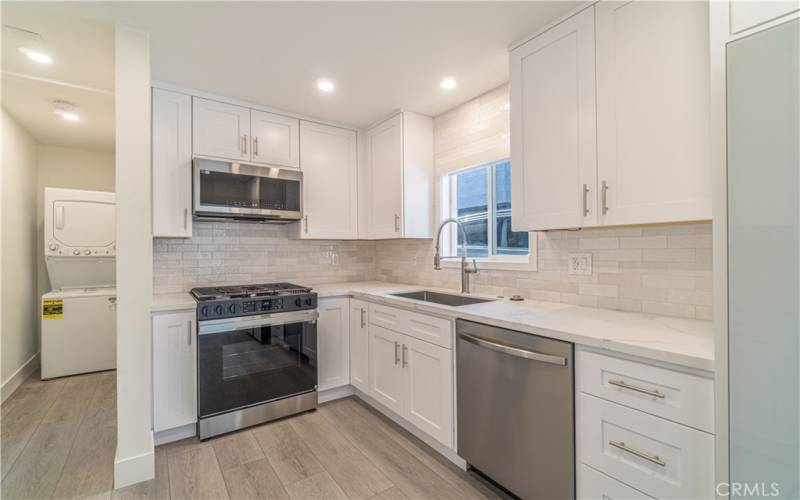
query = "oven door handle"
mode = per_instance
[{"x": 247, "y": 322}]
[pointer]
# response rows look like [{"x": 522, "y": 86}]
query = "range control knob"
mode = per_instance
[
  {"x": 53, "y": 246},
  {"x": 298, "y": 302},
  {"x": 218, "y": 310},
  {"x": 76, "y": 252},
  {"x": 265, "y": 305},
  {"x": 232, "y": 308},
  {"x": 87, "y": 252},
  {"x": 204, "y": 311},
  {"x": 309, "y": 301}
]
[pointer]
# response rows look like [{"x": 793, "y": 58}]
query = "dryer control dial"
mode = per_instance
[
  {"x": 87, "y": 252},
  {"x": 76, "y": 252},
  {"x": 53, "y": 246}
]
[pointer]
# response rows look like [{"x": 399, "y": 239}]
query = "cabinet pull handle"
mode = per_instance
[
  {"x": 255, "y": 145},
  {"x": 185, "y": 219},
  {"x": 605, "y": 197},
  {"x": 244, "y": 144},
  {"x": 624, "y": 385},
  {"x": 189, "y": 330},
  {"x": 363, "y": 318},
  {"x": 396, "y": 223},
  {"x": 633, "y": 451},
  {"x": 405, "y": 350},
  {"x": 396, "y": 353},
  {"x": 585, "y": 200},
  {"x": 305, "y": 223}
]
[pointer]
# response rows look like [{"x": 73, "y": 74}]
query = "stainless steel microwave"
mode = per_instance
[{"x": 239, "y": 191}]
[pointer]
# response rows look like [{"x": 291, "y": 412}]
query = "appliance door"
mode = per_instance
[
  {"x": 246, "y": 191},
  {"x": 256, "y": 359},
  {"x": 515, "y": 409}
]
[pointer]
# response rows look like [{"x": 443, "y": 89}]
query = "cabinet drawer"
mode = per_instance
[
  {"x": 431, "y": 329},
  {"x": 677, "y": 396},
  {"x": 595, "y": 485},
  {"x": 658, "y": 457}
]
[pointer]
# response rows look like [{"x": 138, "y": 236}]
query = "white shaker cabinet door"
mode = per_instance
[
  {"x": 333, "y": 343},
  {"x": 172, "y": 164},
  {"x": 330, "y": 182},
  {"x": 359, "y": 345},
  {"x": 220, "y": 130},
  {"x": 174, "y": 370},
  {"x": 385, "y": 158},
  {"x": 276, "y": 139},
  {"x": 553, "y": 158},
  {"x": 429, "y": 388},
  {"x": 386, "y": 382},
  {"x": 653, "y": 112}
]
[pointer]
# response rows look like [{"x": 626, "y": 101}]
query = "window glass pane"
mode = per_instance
[
  {"x": 472, "y": 209},
  {"x": 505, "y": 241}
]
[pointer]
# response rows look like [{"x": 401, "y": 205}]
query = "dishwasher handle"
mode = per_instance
[{"x": 513, "y": 351}]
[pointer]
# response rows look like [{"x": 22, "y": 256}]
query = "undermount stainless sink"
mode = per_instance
[{"x": 441, "y": 298}]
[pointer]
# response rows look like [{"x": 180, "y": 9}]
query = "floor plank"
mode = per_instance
[
  {"x": 352, "y": 471},
  {"x": 317, "y": 487},
  {"x": 195, "y": 474},
  {"x": 393, "y": 493},
  {"x": 236, "y": 449},
  {"x": 287, "y": 452},
  {"x": 254, "y": 480}
]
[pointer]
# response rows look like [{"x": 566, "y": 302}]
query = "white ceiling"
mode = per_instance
[
  {"x": 82, "y": 72},
  {"x": 381, "y": 55}
]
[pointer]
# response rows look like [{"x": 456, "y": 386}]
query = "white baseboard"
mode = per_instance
[
  {"x": 18, "y": 377},
  {"x": 335, "y": 393},
  {"x": 135, "y": 469},
  {"x": 176, "y": 434},
  {"x": 405, "y": 424}
]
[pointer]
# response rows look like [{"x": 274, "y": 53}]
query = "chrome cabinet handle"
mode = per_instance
[
  {"x": 405, "y": 351},
  {"x": 185, "y": 219},
  {"x": 585, "y": 200},
  {"x": 396, "y": 223},
  {"x": 244, "y": 144},
  {"x": 605, "y": 197},
  {"x": 624, "y": 385},
  {"x": 633, "y": 451},
  {"x": 255, "y": 145},
  {"x": 396, "y": 354},
  {"x": 305, "y": 223},
  {"x": 363, "y": 318},
  {"x": 189, "y": 331},
  {"x": 514, "y": 351}
]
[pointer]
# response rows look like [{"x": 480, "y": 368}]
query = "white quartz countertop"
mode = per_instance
[{"x": 684, "y": 342}]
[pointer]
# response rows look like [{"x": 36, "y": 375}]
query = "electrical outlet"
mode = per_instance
[{"x": 579, "y": 264}]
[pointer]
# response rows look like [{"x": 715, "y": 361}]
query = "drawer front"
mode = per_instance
[
  {"x": 658, "y": 457},
  {"x": 680, "y": 397},
  {"x": 594, "y": 485},
  {"x": 431, "y": 329}
]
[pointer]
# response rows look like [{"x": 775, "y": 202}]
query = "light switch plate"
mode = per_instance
[{"x": 579, "y": 264}]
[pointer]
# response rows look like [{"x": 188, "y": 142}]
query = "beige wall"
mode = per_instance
[
  {"x": 67, "y": 168},
  {"x": 19, "y": 340}
]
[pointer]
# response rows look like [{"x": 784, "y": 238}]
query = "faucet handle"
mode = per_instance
[{"x": 473, "y": 270}]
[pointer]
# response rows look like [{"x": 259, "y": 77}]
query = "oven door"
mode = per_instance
[
  {"x": 250, "y": 360},
  {"x": 223, "y": 189}
]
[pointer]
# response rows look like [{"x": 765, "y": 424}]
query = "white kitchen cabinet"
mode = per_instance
[
  {"x": 386, "y": 382},
  {"x": 275, "y": 139},
  {"x": 594, "y": 485},
  {"x": 172, "y": 164},
  {"x": 174, "y": 370},
  {"x": 428, "y": 374},
  {"x": 359, "y": 345},
  {"x": 333, "y": 343},
  {"x": 747, "y": 14},
  {"x": 329, "y": 161},
  {"x": 220, "y": 130},
  {"x": 399, "y": 155},
  {"x": 653, "y": 157},
  {"x": 553, "y": 158}
]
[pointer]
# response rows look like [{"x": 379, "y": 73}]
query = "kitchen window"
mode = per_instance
[{"x": 480, "y": 198}]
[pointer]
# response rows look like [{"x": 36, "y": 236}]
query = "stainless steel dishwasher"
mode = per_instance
[{"x": 516, "y": 418}]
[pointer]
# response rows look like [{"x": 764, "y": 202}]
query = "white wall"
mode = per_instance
[
  {"x": 19, "y": 341},
  {"x": 134, "y": 461},
  {"x": 67, "y": 168}
]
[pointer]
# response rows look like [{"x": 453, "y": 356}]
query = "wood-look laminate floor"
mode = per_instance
[{"x": 58, "y": 440}]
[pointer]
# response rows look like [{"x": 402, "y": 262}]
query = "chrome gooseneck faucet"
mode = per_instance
[{"x": 465, "y": 269}]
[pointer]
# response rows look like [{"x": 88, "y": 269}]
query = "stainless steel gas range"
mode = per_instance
[{"x": 256, "y": 356}]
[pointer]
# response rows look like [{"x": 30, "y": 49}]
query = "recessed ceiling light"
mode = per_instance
[
  {"x": 66, "y": 110},
  {"x": 448, "y": 83},
  {"x": 69, "y": 116},
  {"x": 325, "y": 85},
  {"x": 37, "y": 56}
]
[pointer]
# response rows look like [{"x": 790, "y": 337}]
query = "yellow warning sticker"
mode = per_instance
[{"x": 52, "y": 309}]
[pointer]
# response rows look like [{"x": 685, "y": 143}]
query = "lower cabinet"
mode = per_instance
[
  {"x": 333, "y": 343},
  {"x": 359, "y": 345},
  {"x": 414, "y": 379},
  {"x": 174, "y": 370}
]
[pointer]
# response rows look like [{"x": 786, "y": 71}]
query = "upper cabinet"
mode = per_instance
[
  {"x": 553, "y": 128},
  {"x": 172, "y": 164},
  {"x": 231, "y": 132},
  {"x": 610, "y": 118},
  {"x": 330, "y": 182},
  {"x": 399, "y": 153}
]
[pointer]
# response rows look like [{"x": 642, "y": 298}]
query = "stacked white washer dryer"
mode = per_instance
[{"x": 79, "y": 314}]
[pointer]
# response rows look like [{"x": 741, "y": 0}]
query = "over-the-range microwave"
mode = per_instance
[{"x": 231, "y": 190}]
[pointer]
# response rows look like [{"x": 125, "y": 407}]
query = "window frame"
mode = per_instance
[{"x": 448, "y": 184}]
